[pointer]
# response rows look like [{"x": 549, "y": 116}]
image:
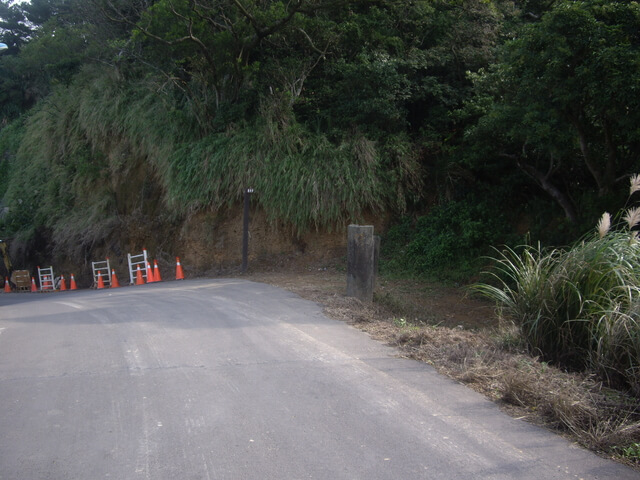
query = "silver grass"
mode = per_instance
[
  {"x": 635, "y": 184},
  {"x": 604, "y": 224},
  {"x": 632, "y": 217}
]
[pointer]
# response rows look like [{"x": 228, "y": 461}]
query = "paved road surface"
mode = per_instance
[{"x": 229, "y": 379}]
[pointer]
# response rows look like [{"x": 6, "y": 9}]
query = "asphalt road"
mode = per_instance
[{"x": 229, "y": 379}]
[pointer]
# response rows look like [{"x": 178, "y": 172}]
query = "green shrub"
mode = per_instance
[
  {"x": 447, "y": 243},
  {"x": 578, "y": 307},
  {"x": 10, "y": 138}
]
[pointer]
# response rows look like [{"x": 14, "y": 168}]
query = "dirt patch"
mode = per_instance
[
  {"x": 462, "y": 338},
  {"x": 400, "y": 300},
  {"x": 211, "y": 242},
  {"x": 427, "y": 303}
]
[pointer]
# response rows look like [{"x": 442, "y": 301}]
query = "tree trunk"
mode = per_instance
[
  {"x": 558, "y": 195},
  {"x": 596, "y": 173},
  {"x": 612, "y": 155}
]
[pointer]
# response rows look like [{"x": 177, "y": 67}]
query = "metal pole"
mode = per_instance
[{"x": 245, "y": 230}]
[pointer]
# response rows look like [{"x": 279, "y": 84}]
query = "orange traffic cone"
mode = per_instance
[
  {"x": 33, "y": 285},
  {"x": 7, "y": 287},
  {"x": 100, "y": 281},
  {"x": 179, "y": 272},
  {"x": 114, "y": 279},
  {"x": 139, "y": 280},
  {"x": 156, "y": 272},
  {"x": 63, "y": 284},
  {"x": 150, "y": 278},
  {"x": 73, "y": 283}
]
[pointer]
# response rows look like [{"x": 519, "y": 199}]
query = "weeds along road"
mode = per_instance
[{"x": 229, "y": 379}]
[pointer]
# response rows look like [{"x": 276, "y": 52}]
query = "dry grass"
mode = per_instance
[{"x": 470, "y": 346}]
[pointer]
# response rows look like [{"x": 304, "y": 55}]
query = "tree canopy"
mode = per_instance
[{"x": 563, "y": 98}]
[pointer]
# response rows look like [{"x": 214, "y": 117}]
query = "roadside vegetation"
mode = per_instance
[
  {"x": 468, "y": 124},
  {"x": 460, "y": 336},
  {"x": 577, "y": 309},
  {"x": 465, "y": 126},
  {"x": 563, "y": 346}
]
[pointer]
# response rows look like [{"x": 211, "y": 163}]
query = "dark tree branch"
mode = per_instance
[
  {"x": 197, "y": 8},
  {"x": 262, "y": 32},
  {"x": 612, "y": 152},
  {"x": 589, "y": 161},
  {"x": 544, "y": 181},
  {"x": 186, "y": 38}
]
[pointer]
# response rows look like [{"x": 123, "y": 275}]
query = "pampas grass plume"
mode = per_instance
[
  {"x": 604, "y": 224},
  {"x": 632, "y": 217},
  {"x": 635, "y": 184}
]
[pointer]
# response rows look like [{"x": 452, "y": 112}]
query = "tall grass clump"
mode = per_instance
[
  {"x": 299, "y": 177},
  {"x": 578, "y": 307},
  {"x": 58, "y": 178},
  {"x": 84, "y": 152},
  {"x": 10, "y": 138}
]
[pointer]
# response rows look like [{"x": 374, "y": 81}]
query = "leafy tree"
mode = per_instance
[
  {"x": 335, "y": 105},
  {"x": 563, "y": 102},
  {"x": 221, "y": 54},
  {"x": 49, "y": 41},
  {"x": 14, "y": 27}
]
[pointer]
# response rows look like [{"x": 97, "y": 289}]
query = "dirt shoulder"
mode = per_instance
[{"x": 463, "y": 339}]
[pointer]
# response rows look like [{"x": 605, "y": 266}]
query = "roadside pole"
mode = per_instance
[
  {"x": 361, "y": 262},
  {"x": 245, "y": 229}
]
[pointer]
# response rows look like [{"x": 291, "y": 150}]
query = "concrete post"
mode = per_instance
[
  {"x": 376, "y": 258},
  {"x": 360, "y": 262}
]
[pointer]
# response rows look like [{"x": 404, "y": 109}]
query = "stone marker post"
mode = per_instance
[
  {"x": 245, "y": 230},
  {"x": 376, "y": 258},
  {"x": 360, "y": 262}
]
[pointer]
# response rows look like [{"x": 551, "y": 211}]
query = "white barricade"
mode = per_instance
[
  {"x": 136, "y": 261},
  {"x": 101, "y": 268},
  {"x": 45, "y": 277}
]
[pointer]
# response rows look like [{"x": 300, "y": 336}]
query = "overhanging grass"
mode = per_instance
[
  {"x": 91, "y": 136},
  {"x": 297, "y": 177}
]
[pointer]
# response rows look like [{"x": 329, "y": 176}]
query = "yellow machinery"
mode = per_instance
[
  {"x": 5, "y": 257},
  {"x": 20, "y": 278}
]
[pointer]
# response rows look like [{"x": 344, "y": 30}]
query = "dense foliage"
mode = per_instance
[
  {"x": 431, "y": 245},
  {"x": 466, "y": 119},
  {"x": 563, "y": 99},
  {"x": 578, "y": 307}
]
